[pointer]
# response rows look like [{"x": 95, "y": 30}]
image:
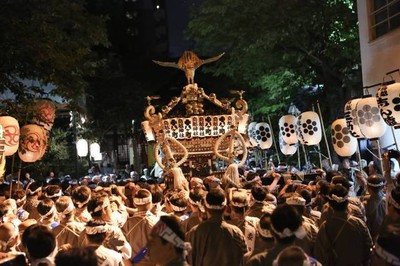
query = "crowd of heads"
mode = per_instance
[{"x": 277, "y": 215}]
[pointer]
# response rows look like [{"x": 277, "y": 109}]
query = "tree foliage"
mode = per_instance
[
  {"x": 49, "y": 41},
  {"x": 276, "y": 46}
]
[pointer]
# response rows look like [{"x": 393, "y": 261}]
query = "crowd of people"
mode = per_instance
[{"x": 240, "y": 218}]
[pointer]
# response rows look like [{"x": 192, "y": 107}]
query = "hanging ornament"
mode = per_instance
[
  {"x": 388, "y": 99},
  {"x": 350, "y": 114},
  {"x": 287, "y": 127},
  {"x": 251, "y": 132},
  {"x": 11, "y": 134},
  {"x": 309, "y": 128},
  {"x": 344, "y": 143},
  {"x": 370, "y": 121},
  {"x": 33, "y": 142},
  {"x": 263, "y": 135},
  {"x": 287, "y": 149}
]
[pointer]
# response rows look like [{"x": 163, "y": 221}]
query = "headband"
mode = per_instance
[
  {"x": 163, "y": 231},
  {"x": 5, "y": 244},
  {"x": 258, "y": 201},
  {"x": 58, "y": 194},
  {"x": 263, "y": 232},
  {"x": 197, "y": 180},
  {"x": 193, "y": 202},
  {"x": 30, "y": 192},
  {"x": 68, "y": 210},
  {"x": 18, "y": 201},
  {"x": 337, "y": 198},
  {"x": 50, "y": 212},
  {"x": 306, "y": 262},
  {"x": 254, "y": 180},
  {"x": 215, "y": 207},
  {"x": 177, "y": 208},
  {"x": 93, "y": 230},
  {"x": 80, "y": 204},
  {"x": 393, "y": 202},
  {"x": 297, "y": 201},
  {"x": 105, "y": 204},
  {"x": 299, "y": 232},
  {"x": 142, "y": 201},
  {"x": 49, "y": 260},
  {"x": 380, "y": 184},
  {"x": 239, "y": 204},
  {"x": 268, "y": 208}
]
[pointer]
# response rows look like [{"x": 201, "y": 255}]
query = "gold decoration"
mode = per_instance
[{"x": 189, "y": 62}]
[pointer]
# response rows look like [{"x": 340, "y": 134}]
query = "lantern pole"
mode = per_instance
[
  {"x": 305, "y": 155},
  {"x": 323, "y": 131},
  {"x": 379, "y": 153},
  {"x": 359, "y": 155},
  {"x": 12, "y": 164},
  {"x": 394, "y": 138},
  {"x": 318, "y": 145},
  {"x": 19, "y": 173},
  {"x": 298, "y": 158},
  {"x": 273, "y": 139}
]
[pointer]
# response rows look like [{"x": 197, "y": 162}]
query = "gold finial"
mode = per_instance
[
  {"x": 149, "y": 98},
  {"x": 189, "y": 62},
  {"x": 240, "y": 93}
]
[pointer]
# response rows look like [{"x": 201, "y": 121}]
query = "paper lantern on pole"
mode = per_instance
[
  {"x": 287, "y": 149},
  {"x": 388, "y": 99},
  {"x": 370, "y": 120},
  {"x": 82, "y": 147},
  {"x": 287, "y": 128},
  {"x": 251, "y": 133},
  {"x": 94, "y": 149},
  {"x": 350, "y": 114},
  {"x": 309, "y": 130},
  {"x": 33, "y": 142},
  {"x": 97, "y": 157},
  {"x": 263, "y": 135},
  {"x": 11, "y": 134},
  {"x": 344, "y": 143},
  {"x": 148, "y": 131},
  {"x": 45, "y": 113}
]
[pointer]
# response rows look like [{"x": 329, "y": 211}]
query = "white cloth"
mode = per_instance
[{"x": 108, "y": 257}]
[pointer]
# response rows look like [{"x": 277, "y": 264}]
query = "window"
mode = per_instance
[{"x": 384, "y": 16}]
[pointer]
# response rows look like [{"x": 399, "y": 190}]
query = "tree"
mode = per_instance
[
  {"x": 275, "y": 47},
  {"x": 49, "y": 41}
]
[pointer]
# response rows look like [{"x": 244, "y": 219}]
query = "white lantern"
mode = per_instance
[
  {"x": 263, "y": 135},
  {"x": 97, "y": 157},
  {"x": 344, "y": 143},
  {"x": 82, "y": 147},
  {"x": 287, "y": 128},
  {"x": 370, "y": 120},
  {"x": 242, "y": 126},
  {"x": 94, "y": 149},
  {"x": 287, "y": 149},
  {"x": 388, "y": 99},
  {"x": 251, "y": 133},
  {"x": 148, "y": 131},
  {"x": 11, "y": 134},
  {"x": 350, "y": 114},
  {"x": 309, "y": 130}
]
